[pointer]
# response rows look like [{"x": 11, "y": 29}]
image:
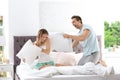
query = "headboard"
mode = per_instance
[{"x": 19, "y": 41}]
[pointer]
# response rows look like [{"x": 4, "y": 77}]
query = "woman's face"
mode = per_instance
[{"x": 44, "y": 37}]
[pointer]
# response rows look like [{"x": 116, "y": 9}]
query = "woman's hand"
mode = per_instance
[{"x": 24, "y": 60}]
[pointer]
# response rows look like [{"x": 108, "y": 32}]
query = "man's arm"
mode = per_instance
[
  {"x": 75, "y": 43},
  {"x": 81, "y": 37}
]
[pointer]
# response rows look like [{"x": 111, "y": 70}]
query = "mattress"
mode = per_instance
[
  {"x": 69, "y": 77},
  {"x": 22, "y": 73},
  {"x": 76, "y": 77}
]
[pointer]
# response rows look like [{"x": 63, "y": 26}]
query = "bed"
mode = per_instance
[{"x": 19, "y": 41}]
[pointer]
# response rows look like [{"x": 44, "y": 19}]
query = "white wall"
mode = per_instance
[
  {"x": 56, "y": 15},
  {"x": 23, "y": 19},
  {"x": 27, "y": 16}
]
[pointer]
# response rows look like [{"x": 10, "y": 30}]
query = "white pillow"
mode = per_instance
[
  {"x": 63, "y": 58},
  {"x": 78, "y": 56},
  {"x": 60, "y": 44},
  {"x": 29, "y": 52}
]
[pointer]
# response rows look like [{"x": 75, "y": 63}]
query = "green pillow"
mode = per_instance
[{"x": 40, "y": 64}]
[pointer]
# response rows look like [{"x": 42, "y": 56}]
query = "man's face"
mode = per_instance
[{"x": 76, "y": 23}]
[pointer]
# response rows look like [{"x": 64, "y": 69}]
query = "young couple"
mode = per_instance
[{"x": 86, "y": 38}]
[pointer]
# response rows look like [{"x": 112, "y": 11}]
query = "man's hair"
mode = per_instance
[{"x": 78, "y": 18}]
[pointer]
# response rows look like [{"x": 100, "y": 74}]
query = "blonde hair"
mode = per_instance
[{"x": 40, "y": 33}]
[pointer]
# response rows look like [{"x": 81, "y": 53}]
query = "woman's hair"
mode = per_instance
[
  {"x": 78, "y": 18},
  {"x": 40, "y": 33}
]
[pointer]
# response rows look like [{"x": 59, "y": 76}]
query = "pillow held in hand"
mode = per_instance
[
  {"x": 29, "y": 52},
  {"x": 60, "y": 44}
]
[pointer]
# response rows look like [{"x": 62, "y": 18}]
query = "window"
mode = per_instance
[
  {"x": 1, "y": 25},
  {"x": 112, "y": 36},
  {"x": 1, "y": 39}
]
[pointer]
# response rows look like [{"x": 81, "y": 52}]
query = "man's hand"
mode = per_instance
[{"x": 66, "y": 35}]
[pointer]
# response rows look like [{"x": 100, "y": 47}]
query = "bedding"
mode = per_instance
[
  {"x": 59, "y": 58},
  {"x": 64, "y": 58},
  {"x": 52, "y": 71},
  {"x": 49, "y": 72},
  {"x": 22, "y": 70}
]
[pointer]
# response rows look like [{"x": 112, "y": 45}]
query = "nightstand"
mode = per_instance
[{"x": 8, "y": 68}]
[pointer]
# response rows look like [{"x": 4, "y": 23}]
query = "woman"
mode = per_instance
[{"x": 43, "y": 41}]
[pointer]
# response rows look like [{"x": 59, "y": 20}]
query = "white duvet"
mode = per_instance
[{"x": 87, "y": 69}]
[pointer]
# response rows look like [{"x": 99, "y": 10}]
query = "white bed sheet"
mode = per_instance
[
  {"x": 24, "y": 71},
  {"x": 76, "y": 77},
  {"x": 69, "y": 77}
]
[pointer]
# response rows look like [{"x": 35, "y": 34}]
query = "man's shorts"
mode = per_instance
[{"x": 94, "y": 57}]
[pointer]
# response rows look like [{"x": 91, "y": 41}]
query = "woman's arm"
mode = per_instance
[{"x": 47, "y": 44}]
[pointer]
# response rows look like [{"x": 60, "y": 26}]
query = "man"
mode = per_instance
[{"x": 87, "y": 39}]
